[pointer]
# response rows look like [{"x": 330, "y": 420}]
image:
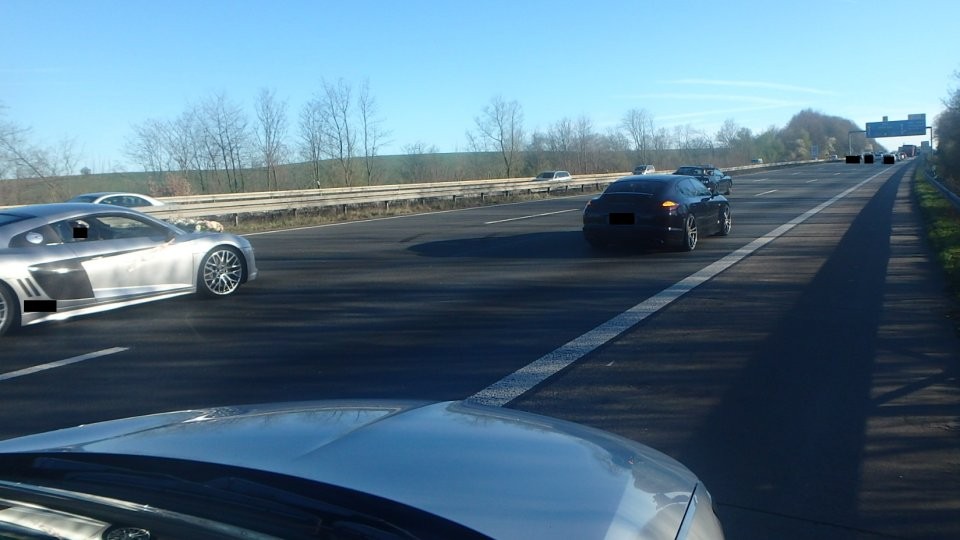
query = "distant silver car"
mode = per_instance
[
  {"x": 116, "y": 198},
  {"x": 352, "y": 470},
  {"x": 553, "y": 175},
  {"x": 644, "y": 169},
  {"x": 66, "y": 259}
]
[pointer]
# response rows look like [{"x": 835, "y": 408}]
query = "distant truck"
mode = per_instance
[{"x": 909, "y": 150}]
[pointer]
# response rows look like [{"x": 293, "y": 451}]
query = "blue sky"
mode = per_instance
[{"x": 88, "y": 70}]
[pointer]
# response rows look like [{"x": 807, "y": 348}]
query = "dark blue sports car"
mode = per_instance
[{"x": 663, "y": 210}]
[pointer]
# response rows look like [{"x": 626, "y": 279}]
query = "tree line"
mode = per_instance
[
  {"x": 335, "y": 139},
  {"x": 947, "y": 131}
]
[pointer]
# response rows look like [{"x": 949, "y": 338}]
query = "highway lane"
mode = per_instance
[
  {"x": 823, "y": 404},
  {"x": 440, "y": 306},
  {"x": 436, "y": 306}
]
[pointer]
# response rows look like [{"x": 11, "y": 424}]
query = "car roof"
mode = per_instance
[
  {"x": 665, "y": 178},
  {"x": 56, "y": 211},
  {"x": 99, "y": 194},
  {"x": 106, "y": 193}
]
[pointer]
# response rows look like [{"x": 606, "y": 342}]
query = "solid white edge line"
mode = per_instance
[
  {"x": 521, "y": 381},
  {"x": 61, "y": 363}
]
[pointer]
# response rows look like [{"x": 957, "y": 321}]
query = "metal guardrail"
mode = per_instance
[
  {"x": 944, "y": 190},
  {"x": 239, "y": 204}
]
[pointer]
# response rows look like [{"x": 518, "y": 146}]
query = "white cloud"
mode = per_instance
[{"x": 753, "y": 84}]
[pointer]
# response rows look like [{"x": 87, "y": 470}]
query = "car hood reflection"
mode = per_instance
[{"x": 489, "y": 469}]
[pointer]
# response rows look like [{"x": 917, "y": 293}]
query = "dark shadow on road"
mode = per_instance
[
  {"x": 788, "y": 438},
  {"x": 541, "y": 245}
]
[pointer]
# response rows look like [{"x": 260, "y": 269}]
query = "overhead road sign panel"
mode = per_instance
[{"x": 915, "y": 125}]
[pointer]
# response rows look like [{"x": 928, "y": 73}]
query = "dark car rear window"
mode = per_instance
[
  {"x": 692, "y": 171},
  {"x": 644, "y": 187}
]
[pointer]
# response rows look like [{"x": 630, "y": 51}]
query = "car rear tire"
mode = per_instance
[
  {"x": 725, "y": 221},
  {"x": 9, "y": 309},
  {"x": 690, "y": 234},
  {"x": 221, "y": 272}
]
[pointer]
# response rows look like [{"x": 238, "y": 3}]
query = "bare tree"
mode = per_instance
[
  {"x": 185, "y": 140},
  {"x": 661, "y": 143},
  {"x": 63, "y": 159},
  {"x": 537, "y": 156},
  {"x": 560, "y": 141},
  {"x": 584, "y": 142},
  {"x": 225, "y": 130},
  {"x": 312, "y": 138},
  {"x": 501, "y": 128},
  {"x": 615, "y": 149},
  {"x": 371, "y": 129},
  {"x": 692, "y": 143},
  {"x": 13, "y": 150},
  {"x": 271, "y": 132},
  {"x": 727, "y": 134},
  {"x": 336, "y": 103},
  {"x": 639, "y": 127},
  {"x": 148, "y": 145}
]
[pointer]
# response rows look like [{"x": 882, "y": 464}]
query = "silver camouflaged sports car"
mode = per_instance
[{"x": 61, "y": 260}]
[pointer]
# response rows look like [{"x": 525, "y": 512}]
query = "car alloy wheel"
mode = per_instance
[
  {"x": 726, "y": 221},
  {"x": 690, "y": 233},
  {"x": 221, "y": 272},
  {"x": 8, "y": 308}
]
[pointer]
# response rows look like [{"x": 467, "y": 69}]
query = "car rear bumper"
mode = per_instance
[{"x": 632, "y": 234}]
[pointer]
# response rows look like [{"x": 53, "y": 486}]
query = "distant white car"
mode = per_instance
[
  {"x": 644, "y": 169},
  {"x": 553, "y": 175},
  {"x": 117, "y": 198}
]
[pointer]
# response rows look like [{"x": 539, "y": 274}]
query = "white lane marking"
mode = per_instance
[
  {"x": 61, "y": 363},
  {"x": 531, "y": 216},
  {"x": 766, "y": 192},
  {"x": 814, "y": 180},
  {"x": 521, "y": 381}
]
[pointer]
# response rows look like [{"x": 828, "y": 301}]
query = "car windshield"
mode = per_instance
[
  {"x": 98, "y": 493},
  {"x": 716, "y": 232}
]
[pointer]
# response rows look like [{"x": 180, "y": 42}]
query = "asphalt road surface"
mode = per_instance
[{"x": 805, "y": 367}]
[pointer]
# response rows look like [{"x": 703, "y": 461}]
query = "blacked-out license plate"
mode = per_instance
[{"x": 621, "y": 218}]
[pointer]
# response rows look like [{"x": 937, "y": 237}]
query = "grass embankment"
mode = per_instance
[{"x": 942, "y": 222}]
